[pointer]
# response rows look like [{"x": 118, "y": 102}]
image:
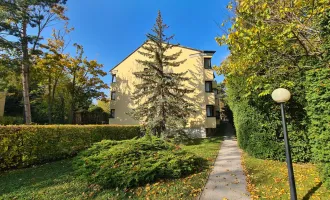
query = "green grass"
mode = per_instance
[
  {"x": 57, "y": 181},
  {"x": 268, "y": 179}
]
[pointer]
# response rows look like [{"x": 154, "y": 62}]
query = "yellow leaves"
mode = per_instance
[
  {"x": 147, "y": 189},
  {"x": 230, "y": 6},
  {"x": 250, "y": 80},
  {"x": 277, "y": 180},
  {"x": 59, "y": 10},
  {"x": 265, "y": 92},
  {"x": 195, "y": 192},
  {"x": 268, "y": 179},
  {"x": 317, "y": 180}
]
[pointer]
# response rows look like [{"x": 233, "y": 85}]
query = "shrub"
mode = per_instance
[
  {"x": 21, "y": 146},
  {"x": 7, "y": 120},
  {"x": 134, "y": 162}
]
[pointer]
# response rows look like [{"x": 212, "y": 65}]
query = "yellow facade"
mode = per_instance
[{"x": 125, "y": 81}]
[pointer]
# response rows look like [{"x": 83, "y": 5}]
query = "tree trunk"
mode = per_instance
[
  {"x": 62, "y": 120},
  {"x": 50, "y": 103},
  {"x": 25, "y": 74},
  {"x": 73, "y": 103},
  {"x": 72, "y": 113}
]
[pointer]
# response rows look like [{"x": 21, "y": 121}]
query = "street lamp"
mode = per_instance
[{"x": 281, "y": 96}]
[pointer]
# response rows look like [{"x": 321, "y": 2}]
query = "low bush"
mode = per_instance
[
  {"x": 9, "y": 120},
  {"x": 21, "y": 146},
  {"x": 134, "y": 162}
]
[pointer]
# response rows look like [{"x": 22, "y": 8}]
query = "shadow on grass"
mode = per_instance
[
  {"x": 42, "y": 177},
  {"x": 312, "y": 191},
  {"x": 198, "y": 141}
]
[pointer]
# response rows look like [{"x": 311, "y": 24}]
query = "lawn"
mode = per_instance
[
  {"x": 57, "y": 181},
  {"x": 268, "y": 180}
]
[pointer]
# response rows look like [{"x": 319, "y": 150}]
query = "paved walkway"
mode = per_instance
[{"x": 227, "y": 180}]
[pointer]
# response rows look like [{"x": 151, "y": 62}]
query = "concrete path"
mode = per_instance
[{"x": 227, "y": 180}]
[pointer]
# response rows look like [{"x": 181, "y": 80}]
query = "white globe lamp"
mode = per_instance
[{"x": 281, "y": 95}]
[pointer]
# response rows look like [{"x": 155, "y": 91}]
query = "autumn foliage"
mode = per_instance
[{"x": 280, "y": 44}]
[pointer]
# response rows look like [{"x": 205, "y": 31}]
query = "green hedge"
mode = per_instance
[
  {"x": 256, "y": 135},
  {"x": 318, "y": 110},
  {"x": 21, "y": 146}
]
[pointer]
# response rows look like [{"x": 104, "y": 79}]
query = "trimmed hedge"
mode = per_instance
[
  {"x": 257, "y": 135},
  {"x": 21, "y": 146},
  {"x": 318, "y": 110}
]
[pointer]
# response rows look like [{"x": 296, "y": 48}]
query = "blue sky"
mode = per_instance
[{"x": 109, "y": 30}]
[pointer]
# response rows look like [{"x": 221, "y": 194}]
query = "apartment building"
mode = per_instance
[{"x": 201, "y": 78}]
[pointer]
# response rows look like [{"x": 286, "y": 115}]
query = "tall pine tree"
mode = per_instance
[{"x": 160, "y": 95}]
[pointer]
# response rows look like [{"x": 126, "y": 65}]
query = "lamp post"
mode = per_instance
[{"x": 281, "y": 96}]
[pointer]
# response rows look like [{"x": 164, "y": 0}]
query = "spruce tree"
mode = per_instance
[{"x": 160, "y": 96}]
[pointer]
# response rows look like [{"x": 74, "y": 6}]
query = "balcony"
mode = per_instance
[
  {"x": 113, "y": 104},
  {"x": 208, "y": 74},
  {"x": 210, "y": 122},
  {"x": 209, "y": 98},
  {"x": 113, "y": 86}
]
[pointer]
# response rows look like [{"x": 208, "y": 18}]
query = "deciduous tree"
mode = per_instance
[
  {"x": 22, "y": 18},
  {"x": 85, "y": 81},
  {"x": 51, "y": 65}
]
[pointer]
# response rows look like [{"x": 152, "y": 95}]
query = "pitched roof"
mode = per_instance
[{"x": 201, "y": 51}]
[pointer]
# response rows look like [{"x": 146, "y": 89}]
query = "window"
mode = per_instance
[
  {"x": 207, "y": 63},
  {"x": 114, "y": 79},
  {"x": 208, "y": 86},
  {"x": 112, "y": 113},
  {"x": 210, "y": 111},
  {"x": 113, "y": 95}
]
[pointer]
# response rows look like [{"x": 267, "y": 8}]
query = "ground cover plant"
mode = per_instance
[
  {"x": 58, "y": 180},
  {"x": 131, "y": 163}
]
